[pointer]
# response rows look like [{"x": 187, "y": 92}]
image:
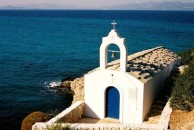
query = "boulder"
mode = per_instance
[{"x": 34, "y": 117}]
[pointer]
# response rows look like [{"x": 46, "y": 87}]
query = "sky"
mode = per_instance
[{"x": 80, "y": 3}]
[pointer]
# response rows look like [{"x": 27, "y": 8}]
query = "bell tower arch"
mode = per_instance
[{"x": 113, "y": 38}]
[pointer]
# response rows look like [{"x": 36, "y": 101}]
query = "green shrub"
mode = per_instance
[
  {"x": 183, "y": 91},
  {"x": 187, "y": 56},
  {"x": 182, "y": 96},
  {"x": 58, "y": 126}
]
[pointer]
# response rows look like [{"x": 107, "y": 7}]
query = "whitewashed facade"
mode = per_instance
[{"x": 125, "y": 89}]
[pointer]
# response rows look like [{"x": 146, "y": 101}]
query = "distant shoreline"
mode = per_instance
[
  {"x": 93, "y": 10},
  {"x": 159, "y": 5}
]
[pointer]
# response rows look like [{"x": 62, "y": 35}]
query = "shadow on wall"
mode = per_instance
[{"x": 89, "y": 111}]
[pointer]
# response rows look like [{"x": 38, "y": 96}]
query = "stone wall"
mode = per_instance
[{"x": 73, "y": 116}]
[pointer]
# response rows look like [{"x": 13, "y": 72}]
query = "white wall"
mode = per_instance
[
  {"x": 95, "y": 87},
  {"x": 153, "y": 86}
]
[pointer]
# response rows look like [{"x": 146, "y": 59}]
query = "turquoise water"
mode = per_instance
[{"x": 39, "y": 48}]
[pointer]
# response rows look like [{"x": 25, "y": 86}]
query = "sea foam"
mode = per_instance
[{"x": 52, "y": 84}]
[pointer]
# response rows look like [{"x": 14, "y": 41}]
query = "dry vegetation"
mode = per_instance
[
  {"x": 182, "y": 98},
  {"x": 33, "y": 118}
]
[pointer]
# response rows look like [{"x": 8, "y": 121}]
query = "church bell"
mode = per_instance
[{"x": 113, "y": 55}]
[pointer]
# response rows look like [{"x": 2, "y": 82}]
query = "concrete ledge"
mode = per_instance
[
  {"x": 116, "y": 127},
  {"x": 70, "y": 115},
  {"x": 165, "y": 116},
  {"x": 79, "y": 126}
]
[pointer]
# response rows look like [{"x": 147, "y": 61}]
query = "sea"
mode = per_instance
[{"x": 39, "y": 48}]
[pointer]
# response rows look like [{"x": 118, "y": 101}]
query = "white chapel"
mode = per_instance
[{"x": 126, "y": 88}]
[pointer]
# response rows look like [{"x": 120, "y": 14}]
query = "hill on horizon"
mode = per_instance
[{"x": 177, "y": 5}]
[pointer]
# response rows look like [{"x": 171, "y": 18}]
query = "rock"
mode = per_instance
[
  {"x": 182, "y": 68},
  {"x": 77, "y": 86},
  {"x": 64, "y": 87},
  {"x": 34, "y": 117},
  {"x": 66, "y": 84}
]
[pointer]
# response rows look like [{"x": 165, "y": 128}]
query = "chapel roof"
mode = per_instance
[{"x": 146, "y": 64}]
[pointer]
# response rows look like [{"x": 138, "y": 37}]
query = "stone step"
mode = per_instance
[
  {"x": 158, "y": 107},
  {"x": 161, "y": 102},
  {"x": 157, "y": 117},
  {"x": 156, "y": 111},
  {"x": 167, "y": 87},
  {"x": 162, "y": 96}
]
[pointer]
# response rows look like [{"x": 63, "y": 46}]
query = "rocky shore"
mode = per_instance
[
  {"x": 76, "y": 87},
  {"x": 71, "y": 88}
]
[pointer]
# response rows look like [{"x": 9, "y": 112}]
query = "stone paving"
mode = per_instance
[
  {"x": 97, "y": 121},
  {"x": 152, "y": 120},
  {"x": 157, "y": 122}
]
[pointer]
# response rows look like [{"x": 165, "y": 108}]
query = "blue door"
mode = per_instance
[{"x": 112, "y": 102}]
